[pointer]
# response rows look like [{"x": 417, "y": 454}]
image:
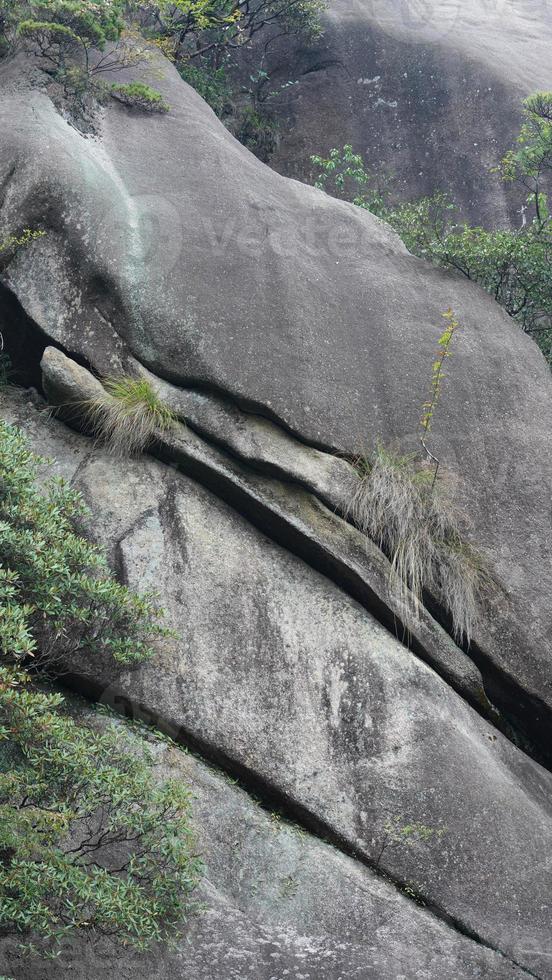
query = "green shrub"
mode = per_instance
[
  {"x": 88, "y": 838},
  {"x": 211, "y": 83},
  {"x": 128, "y": 416},
  {"x": 396, "y": 505},
  {"x": 258, "y": 131},
  {"x": 139, "y": 96},
  {"x": 57, "y": 599}
]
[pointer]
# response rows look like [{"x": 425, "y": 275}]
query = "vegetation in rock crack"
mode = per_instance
[
  {"x": 399, "y": 505},
  {"x": 14, "y": 242},
  {"x": 415, "y": 524},
  {"x": 128, "y": 416},
  {"x": 140, "y": 96},
  {"x": 437, "y": 377},
  {"x": 397, "y": 833},
  {"x": 514, "y": 266},
  {"x": 57, "y": 598},
  {"x": 89, "y": 839}
]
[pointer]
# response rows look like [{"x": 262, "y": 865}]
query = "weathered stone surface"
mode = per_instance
[
  {"x": 167, "y": 242},
  {"x": 295, "y": 519},
  {"x": 294, "y": 684},
  {"x": 430, "y": 93},
  {"x": 278, "y": 904}
]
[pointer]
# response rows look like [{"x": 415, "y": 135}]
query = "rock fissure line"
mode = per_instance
[
  {"x": 498, "y": 689},
  {"x": 284, "y": 533},
  {"x": 270, "y": 797}
]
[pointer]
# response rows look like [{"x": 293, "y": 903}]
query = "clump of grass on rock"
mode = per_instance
[
  {"x": 414, "y": 523},
  {"x": 139, "y": 96},
  {"x": 128, "y": 416}
]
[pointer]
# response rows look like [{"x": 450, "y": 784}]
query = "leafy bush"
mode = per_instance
[
  {"x": 396, "y": 505},
  {"x": 211, "y": 83},
  {"x": 88, "y": 839},
  {"x": 258, "y": 132},
  {"x": 61, "y": 35},
  {"x": 57, "y": 598},
  {"x": 343, "y": 174},
  {"x": 201, "y": 27},
  {"x": 140, "y": 96},
  {"x": 129, "y": 415}
]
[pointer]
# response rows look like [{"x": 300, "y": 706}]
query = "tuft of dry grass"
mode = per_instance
[
  {"x": 128, "y": 416},
  {"x": 415, "y": 525}
]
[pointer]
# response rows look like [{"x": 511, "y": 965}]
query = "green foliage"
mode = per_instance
[
  {"x": 61, "y": 35},
  {"x": 13, "y": 243},
  {"x": 438, "y": 370},
  {"x": 211, "y": 83},
  {"x": 343, "y": 174},
  {"x": 200, "y": 37},
  {"x": 200, "y": 27},
  {"x": 90, "y": 23},
  {"x": 514, "y": 266},
  {"x": 54, "y": 27},
  {"x": 57, "y": 599},
  {"x": 129, "y": 415},
  {"x": 140, "y": 96},
  {"x": 396, "y": 834},
  {"x": 89, "y": 839},
  {"x": 258, "y": 131},
  {"x": 398, "y": 505}
]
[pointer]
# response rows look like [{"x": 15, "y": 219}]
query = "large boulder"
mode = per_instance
[
  {"x": 169, "y": 247},
  {"x": 284, "y": 680},
  {"x": 430, "y": 93}
]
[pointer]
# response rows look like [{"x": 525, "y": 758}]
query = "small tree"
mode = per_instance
[
  {"x": 62, "y": 34},
  {"x": 437, "y": 377},
  {"x": 201, "y": 27},
  {"x": 89, "y": 839}
]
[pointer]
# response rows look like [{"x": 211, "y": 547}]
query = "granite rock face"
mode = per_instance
[
  {"x": 430, "y": 93},
  {"x": 170, "y": 248},
  {"x": 287, "y": 682},
  {"x": 277, "y": 903},
  {"x": 288, "y": 331}
]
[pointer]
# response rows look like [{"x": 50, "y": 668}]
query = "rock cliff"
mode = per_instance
[{"x": 289, "y": 331}]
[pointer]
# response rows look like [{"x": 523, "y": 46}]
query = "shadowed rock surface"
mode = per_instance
[{"x": 429, "y": 93}]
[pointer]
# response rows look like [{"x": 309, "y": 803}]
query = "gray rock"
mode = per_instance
[
  {"x": 295, "y": 686},
  {"x": 429, "y": 93},
  {"x": 278, "y": 903},
  {"x": 169, "y": 244},
  {"x": 295, "y": 518}
]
